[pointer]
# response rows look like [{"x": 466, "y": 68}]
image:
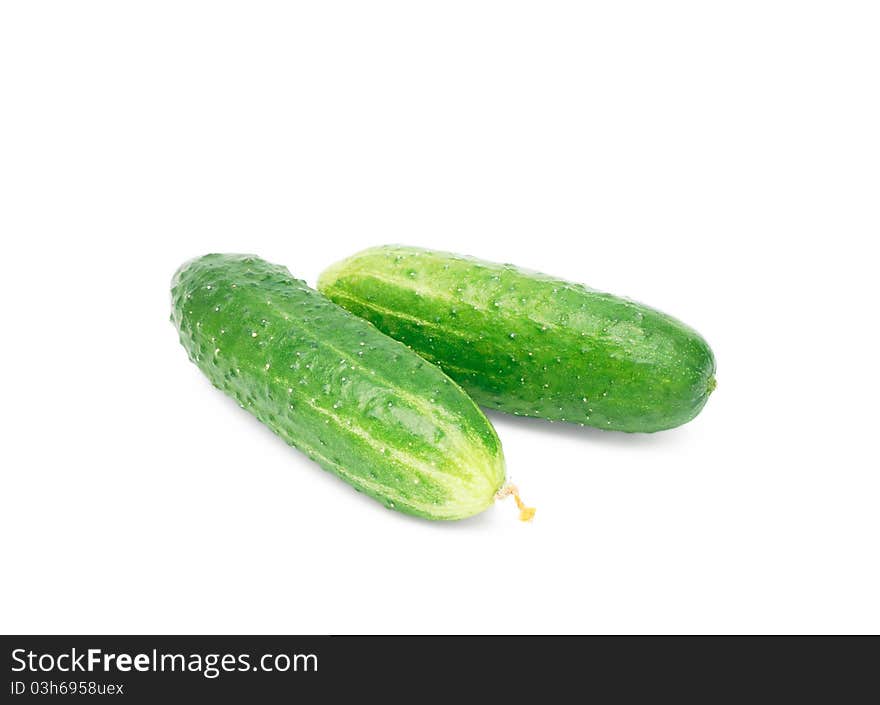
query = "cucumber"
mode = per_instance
[
  {"x": 360, "y": 404},
  {"x": 530, "y": 344}
]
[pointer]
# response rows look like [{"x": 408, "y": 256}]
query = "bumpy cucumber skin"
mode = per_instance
[
  {"x": 360, "y": 404},
  {"x": 530, "y": 344}
]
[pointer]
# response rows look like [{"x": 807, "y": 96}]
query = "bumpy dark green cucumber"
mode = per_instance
[
  {"x": 530, "y": 344},
  {"x": 360, "y": 404}
]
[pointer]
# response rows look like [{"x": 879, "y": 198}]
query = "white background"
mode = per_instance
[{"x": 716, "y": 160}]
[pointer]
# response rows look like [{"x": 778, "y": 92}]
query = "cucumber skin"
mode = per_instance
[
  {"x": 360, "y": 404},
  {"x": 530, "y": 344}
]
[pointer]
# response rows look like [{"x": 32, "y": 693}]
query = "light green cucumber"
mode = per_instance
[
  {"x": 531, "y": 344},
  {"x": 360, "y": 404}
]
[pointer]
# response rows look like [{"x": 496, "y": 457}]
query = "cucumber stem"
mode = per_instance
[{"x": 525, "y": 513}]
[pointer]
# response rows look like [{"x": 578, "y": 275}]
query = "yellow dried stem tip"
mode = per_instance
[{"x": 525, "y": 513}]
